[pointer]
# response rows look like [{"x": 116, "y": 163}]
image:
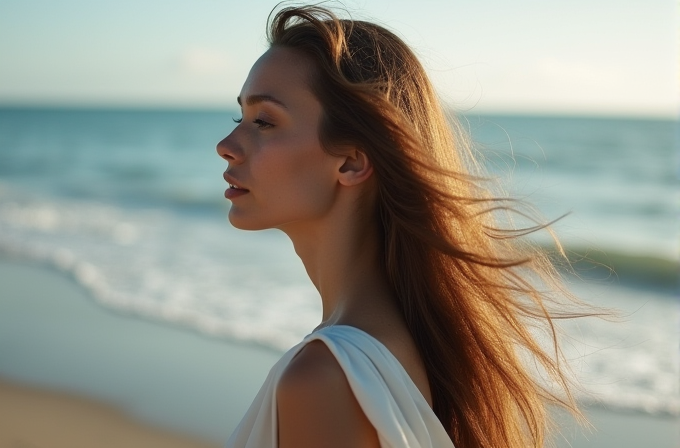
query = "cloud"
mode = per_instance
[
  {"x": 574, "y": 72},
  {"x": 202, "y": 61}
]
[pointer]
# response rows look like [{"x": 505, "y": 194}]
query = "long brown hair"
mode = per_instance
[{"x": 470, "y": 291}]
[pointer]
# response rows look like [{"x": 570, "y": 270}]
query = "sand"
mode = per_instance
[
  {"x": 36, "y": 418},
  {"x": 77, "y": 374}
]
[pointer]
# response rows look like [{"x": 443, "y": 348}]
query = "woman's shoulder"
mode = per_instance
[
  {"x": 392, "y": 348},
  {"x": 313, "y": 366},
  {"x": 314, "y": 399}
]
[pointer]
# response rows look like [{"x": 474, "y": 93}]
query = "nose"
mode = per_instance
[{"x": 229, "y": 149}]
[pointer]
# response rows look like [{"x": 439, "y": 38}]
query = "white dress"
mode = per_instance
[{"x": 385, "y": 392}]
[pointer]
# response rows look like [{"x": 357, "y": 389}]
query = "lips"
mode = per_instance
[
  {"x": 236, "y": 188},
  {"x": 233, "y": 183}
]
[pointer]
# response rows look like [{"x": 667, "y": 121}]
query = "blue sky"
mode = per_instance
[{"x": 530, "y": 56}]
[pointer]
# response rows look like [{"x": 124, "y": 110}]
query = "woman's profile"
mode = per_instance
[{"x": 428, "y": 306}]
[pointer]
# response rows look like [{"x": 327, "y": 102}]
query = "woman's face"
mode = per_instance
[{"x": 278, "y": 173}]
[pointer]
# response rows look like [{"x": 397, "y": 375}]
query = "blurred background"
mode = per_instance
[{"x": 121, "y": 279}]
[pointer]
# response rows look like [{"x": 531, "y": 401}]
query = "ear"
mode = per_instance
[{"x": 355, "y": 167}]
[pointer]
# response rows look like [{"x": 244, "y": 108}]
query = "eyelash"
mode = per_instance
[{"x": 259, "y": 122}]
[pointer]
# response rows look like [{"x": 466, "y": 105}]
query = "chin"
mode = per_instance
[{"x": 243, "y": 223}]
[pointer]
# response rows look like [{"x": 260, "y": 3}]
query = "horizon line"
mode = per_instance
[{"x": 150, "y": 107}]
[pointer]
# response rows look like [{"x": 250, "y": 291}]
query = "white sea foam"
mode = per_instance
[{"x": 198, "y": 272}]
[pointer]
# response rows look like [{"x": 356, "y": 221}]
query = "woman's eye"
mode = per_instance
[
  {"x": 258, "y": 121},
  {"x": 262, "y": 124}
]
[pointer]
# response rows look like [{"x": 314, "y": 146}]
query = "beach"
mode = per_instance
[
  {"x": 34, "y": 417},
  {"x": 74, "y": 373}
]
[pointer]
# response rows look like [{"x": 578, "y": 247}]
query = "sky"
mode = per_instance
[{"x": 589, "y": 57}]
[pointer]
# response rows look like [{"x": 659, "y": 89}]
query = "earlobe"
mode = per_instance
[{"x": 355, "y": 169}]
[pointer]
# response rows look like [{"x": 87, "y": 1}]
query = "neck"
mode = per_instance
[{"x": 341, "y": 254}]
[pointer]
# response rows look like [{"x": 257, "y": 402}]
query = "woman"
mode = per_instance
[{"x": 426, "y": 303}]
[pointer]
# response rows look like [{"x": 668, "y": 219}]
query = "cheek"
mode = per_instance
[{"x": 298, "y": 178}]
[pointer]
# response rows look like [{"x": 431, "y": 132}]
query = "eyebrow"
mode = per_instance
[{"x": 254, "y": 99}]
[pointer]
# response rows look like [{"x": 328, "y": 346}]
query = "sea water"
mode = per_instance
[{"x": 130, "y": 204}]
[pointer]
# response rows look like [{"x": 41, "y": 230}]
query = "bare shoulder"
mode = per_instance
[
  {"x": 313, "y": 367},
  {"x": 316, "y": 406}
]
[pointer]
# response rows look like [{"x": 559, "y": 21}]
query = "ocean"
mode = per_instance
[{"x": 130, "y": 204}]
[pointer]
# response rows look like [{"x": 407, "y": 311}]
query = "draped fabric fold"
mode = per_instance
[{"x": 383, "y": 389}]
